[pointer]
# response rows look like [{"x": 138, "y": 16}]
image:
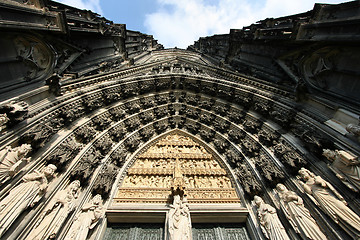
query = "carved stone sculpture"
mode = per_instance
[
  {"x": 178, "y": 220},
  {"x": 85, "y": 134},
  {"x": 12, "y": 160},
  {"x": 87, "y": 219},
  {"x": 331, "y": 202},
  {"x": 236, "y": 135},
  {"x": 3, "y": 120},
  {"x": 354, "y": 129},
  {"x": 207, "y": 135},
  {"x": 269, "y": 221},
  {"x": 105, "y": 180},
  {"x": 248, "y": 180},
  {"x": 26, "y": 194},
  {"x": 233, "y": 157},
  {"x": 298, "y": 215},
  {"x": 64, "y": 153},
  {"x": 16, "y": 111},
  {"x": 346, "y": 167},
  {"x": 39, "y": 135},
  {"x": 86, "y": 165},
  {"x": 252, "y": 125},
  {"x": 221, "y": 145},
  {"x": 267, "y": 137},
  {"x": 54, "y": 215}
]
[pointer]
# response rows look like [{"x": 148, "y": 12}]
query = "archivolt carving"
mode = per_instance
[{"x": 248, "y": 181}]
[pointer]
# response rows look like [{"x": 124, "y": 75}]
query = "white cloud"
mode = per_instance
[
  {"x": 93, "y": 5},
  {"x": 180, "y": 23}
]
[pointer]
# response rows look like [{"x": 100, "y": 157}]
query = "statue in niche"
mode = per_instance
[
  {"x": 331, "y": 202},
  {"x": 53, "y": 217},
  {"x": 299, "y": 216},
  {"x": 269, "y": 221},
  {"x": 178, "y": 220},
  {"x": 86, "y": 219},
  {"x": 25, "y": 195},
  {"x": 12, "y": 160},
  {"x": 346, "y": 167}
]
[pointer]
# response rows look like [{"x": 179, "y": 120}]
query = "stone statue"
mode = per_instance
[
  {"x": 3, "y": 120},
  {"x": 25, "y": 195},
  {"x": 354, "y": 129},
  {"x": 53, "y": 217},
  {"x": 269, "y": 221},
  {"x": 87, "y": 219},
  {"x": 16, "y": 111},
  {"x": 298, "y": 215},
  {"x": 346, "y": 167},
  {"x": 178, "y": 220},
  {"x": 331, "y": 202},
  {"x": 12, "y": 160}
]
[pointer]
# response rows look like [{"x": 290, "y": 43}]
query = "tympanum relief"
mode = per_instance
[{"x": 176, "y": 162}]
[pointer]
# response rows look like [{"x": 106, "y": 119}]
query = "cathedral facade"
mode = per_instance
[{"x": 104, "y": 134}]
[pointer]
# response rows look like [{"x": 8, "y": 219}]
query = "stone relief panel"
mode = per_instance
[{"x": 175, "y": 162}]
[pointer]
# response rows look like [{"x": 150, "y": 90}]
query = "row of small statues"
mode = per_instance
[
  {"x": 169, "y": 163},
  {"x": 323, "y": 195},
  {"x": 176, "y": 149},
  {"x": 167, "y": 181},
  {"x": 31, "y": 190}
]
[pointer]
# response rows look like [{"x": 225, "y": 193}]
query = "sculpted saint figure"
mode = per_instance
[
  {"x": 298, "y": 215},
  {"x": 56, "y": 213},
  {"x": 178, "y": 220},
  {"x": 346, "y": 167},
  {"x": 87, "y": 219},
  {"x": 269, "y": 221},
  {"x": 331, "y": 202},
  {"x": 12, "y": 160},
  {"x": 25, "y": 195}
]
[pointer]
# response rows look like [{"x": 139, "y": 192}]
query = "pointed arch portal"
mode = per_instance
[{"x": 176, "y": 162}]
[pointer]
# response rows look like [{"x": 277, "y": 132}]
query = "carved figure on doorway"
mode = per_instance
[
  {"x": 346, "y": 167},
  {"x": 12, "y": 160},
  {"x": 331, "y": 202},
  {"x": 86, "y": 220},
  {"x": 53, "y": 217},
  {"x": 178, "y": 220},
  {"x": 269, "y": 221},
  {"x": 25, "y": 195},
  {"x": 298, "y": 215}
]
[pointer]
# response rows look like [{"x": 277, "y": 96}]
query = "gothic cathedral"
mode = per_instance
[{"x": 106, "y": 135}]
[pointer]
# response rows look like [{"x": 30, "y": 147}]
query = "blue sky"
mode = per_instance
[{"x": 181, "y": 22}]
